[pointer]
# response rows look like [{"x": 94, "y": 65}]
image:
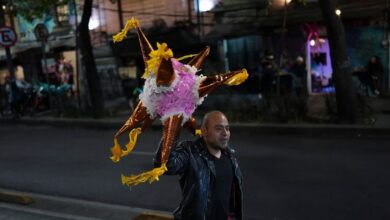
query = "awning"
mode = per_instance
[{"x": 65, "y": 41}]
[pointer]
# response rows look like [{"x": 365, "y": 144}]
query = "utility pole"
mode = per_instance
[
  {"x": 189, "y": 11},
  {"x": 2, "y": 17},
  {"x": 7, "y": 48},
  {"x": 77, "y": 56},
  {"x": 387, "y": 40},
  {"x": 42, "y": 34},
  {"x": 120, "y": 14}
]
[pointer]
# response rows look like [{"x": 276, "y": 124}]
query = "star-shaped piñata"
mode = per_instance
[{"x": 171, "y": 92}]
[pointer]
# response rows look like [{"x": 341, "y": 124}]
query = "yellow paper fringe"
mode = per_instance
[
  {"x": 132, "y": 141},
  {"x": 186, "y": 57},
  {"x": 198, "y": 132},
  {"x": 117, "y": 151},
  {"x": 150, "y": 176},
  {"x": 237, "y": 79},
  {"x": 130, "y": 24},
  {"x": 162, "y": 52}
]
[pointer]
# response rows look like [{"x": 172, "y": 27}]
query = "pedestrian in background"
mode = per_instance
[
  {"x": 298, "y": 69},
  {"x": 268, "y": 74},
  {"x": 375, "y": 72}
]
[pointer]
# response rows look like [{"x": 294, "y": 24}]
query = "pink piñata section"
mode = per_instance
[{"x": 183, "y": 98}]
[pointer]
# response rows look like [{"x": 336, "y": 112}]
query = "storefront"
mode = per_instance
[{"x": 319, "y": 66}]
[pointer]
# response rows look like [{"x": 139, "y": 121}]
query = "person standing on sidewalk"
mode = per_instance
[
  {"x": 210, "y": 178},
  {"x": 375, "y": 71}
]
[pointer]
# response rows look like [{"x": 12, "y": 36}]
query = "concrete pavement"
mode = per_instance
[
  {"x": 48, "y": 207},
  {"x": 52, "y": 207},
  {"x": 286, "y": 176}
]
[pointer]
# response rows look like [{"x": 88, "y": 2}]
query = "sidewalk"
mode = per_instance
[
  {"x": 45, "y": 207},
  {"x": 48, "y": 207},
  {"x": 381, "y": 107}
]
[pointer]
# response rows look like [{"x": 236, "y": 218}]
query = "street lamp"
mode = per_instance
[
  {"x": 94, "y": 20},
  {"x": 312, "y": 42},
  {"x": 206, "y": 5},
  {"x": 338, "y": 12},
  {"x": 8, "y": 10},
  {"x": 279, "y": 4}
]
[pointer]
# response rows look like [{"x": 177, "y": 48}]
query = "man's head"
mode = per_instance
[{"x": 215, "y": 130}]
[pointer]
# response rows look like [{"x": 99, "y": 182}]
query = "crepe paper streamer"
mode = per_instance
[
  {"x": 237, "y": 79},
  {"x": 162, "y": 52},
  {"x": 186, "y": 57},
  {"x": 130, "y": 24},
  {"x": 117, "y": 151},
  {"x": 132, "y": 141},
  {"x": 151, "y": 176},
  {"x": 198, "y": 132}
]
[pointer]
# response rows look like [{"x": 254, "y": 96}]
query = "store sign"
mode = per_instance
[{"x": 7, "y": 36}]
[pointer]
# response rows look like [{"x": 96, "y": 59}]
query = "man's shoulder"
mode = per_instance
[
  {"x": 186, "y": 144},
  {"x": 191, "y": 145}
]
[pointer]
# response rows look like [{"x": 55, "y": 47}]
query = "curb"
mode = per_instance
[
  {"x": 70, "y": 208},
  {"x": 15, "y": 198},
  {"x": 277, "y": 129}
]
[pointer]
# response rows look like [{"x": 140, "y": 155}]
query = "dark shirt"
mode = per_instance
[
  {"x": 223, "y": 185},
  {"x": 375, "y": 69},
  {"x": 299, "y": 70}
]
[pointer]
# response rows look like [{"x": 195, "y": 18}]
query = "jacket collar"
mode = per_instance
[
  {"x": 202, "y": 148},
  {"x": 204, "y": 152}
]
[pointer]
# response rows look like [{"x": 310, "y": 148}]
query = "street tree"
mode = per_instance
[
  {"x": 93, "y": 80},
  {"x": 33, "y": 9},
  {"x": 345, "y": 95}
]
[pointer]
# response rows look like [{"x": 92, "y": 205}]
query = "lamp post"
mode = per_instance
[
  {"x": 198, "y": 17},
  {"x": 387, "y": 41},
  {"x": 8, "y": 37},
  {"x": 42, "y": 34}
]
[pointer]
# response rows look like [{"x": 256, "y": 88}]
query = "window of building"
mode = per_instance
[{"x": 63, "y": 13}]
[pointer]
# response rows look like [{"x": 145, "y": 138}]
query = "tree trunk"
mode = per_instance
[
  {"x": 342, "y": 76},
  {"x": 88, "y": 61}
]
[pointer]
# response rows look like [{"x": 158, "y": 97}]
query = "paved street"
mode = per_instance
[{"x": 286, "y": 177}]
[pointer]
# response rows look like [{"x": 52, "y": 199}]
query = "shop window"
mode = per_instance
[{"x": 62, "y": 13}]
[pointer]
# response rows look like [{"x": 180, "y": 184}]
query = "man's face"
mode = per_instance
[{"x": 216, "y": 133}]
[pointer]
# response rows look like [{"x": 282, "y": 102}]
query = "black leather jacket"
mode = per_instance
[{"x": 192, "y": 161}]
